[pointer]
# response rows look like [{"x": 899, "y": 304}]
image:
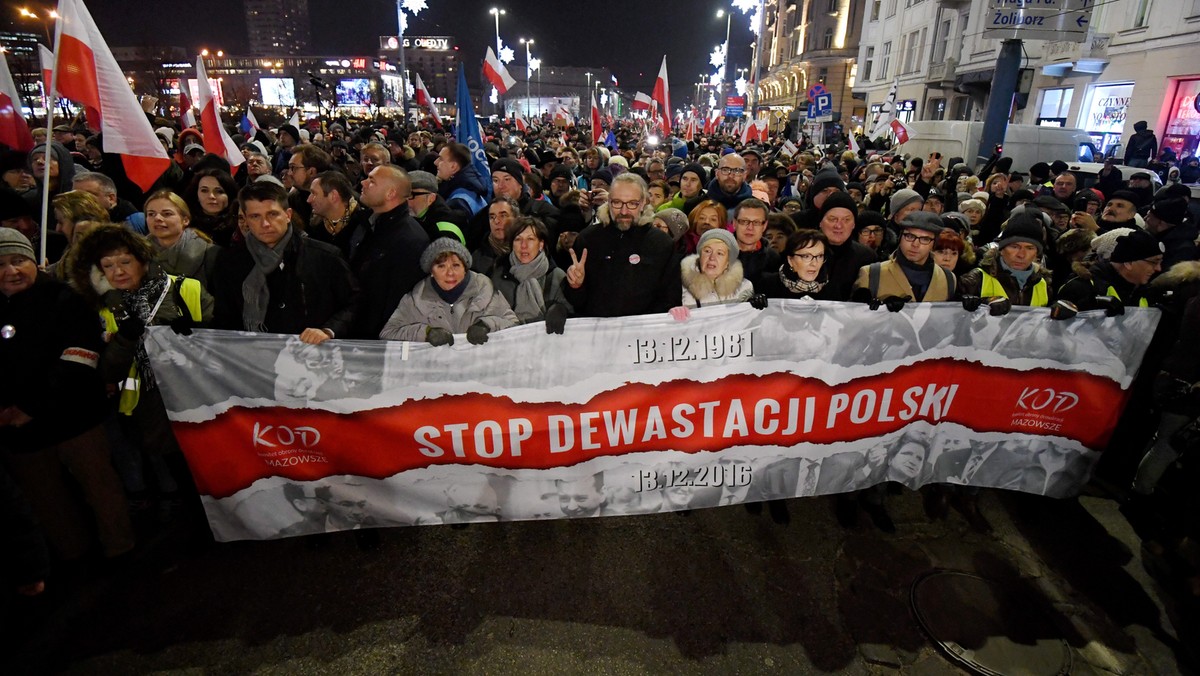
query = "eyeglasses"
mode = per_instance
[
  {"x": 295, "y": 167},
  {"x": 746, "y": 222},
  {"x": 873, "y": 231},
  {"x": 736, "y": 171},
  {"x": 809, "y": 258},
  {"x": 618, "y": 204},
  {"x": 919, "y": 239}
]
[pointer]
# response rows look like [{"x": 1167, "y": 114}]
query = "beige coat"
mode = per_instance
[{"x": 892, "y": 282}]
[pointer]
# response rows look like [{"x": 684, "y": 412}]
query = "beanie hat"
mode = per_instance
[
  {"x": 1172, "y": 210},
  {"x": 562, "y": 171},
  {"x": 1039, "y": 170},
  {"x": 922, "y": 220},
  {"x": 509, "y": 166},
  {"x": 423, "y": 180},
  {"x": 869, "y": 218},
  {"x": 618, "y": 159},
  {"x": 290, "y": 130},
  {"x": 1103, "y": 245},
  {"x": 956, "y": 220},
  {"x": 826, "y": 178},
  {"x": 676, "y": 221},
  {"x": 1058, "y": 166},
  {"x": 1023, "y": 227},
  {"x": 697, "y": 169},
  {"x": 673, "y": 170},
  {"x": 13, "y": 242},
  {"x": 1136, "y": 246},
  {"x": 723, "y": 235},
  {"x": 443, "y": 245},
  {"x": 604, "y": 175},
  {"x": 972, "y": 204},
  {"x": 903, "y": 198},
  {"x": 835, "y": 200}
]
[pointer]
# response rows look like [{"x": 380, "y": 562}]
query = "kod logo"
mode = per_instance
[
  {"x": 1041, "y": 399},
  {"x": 271, "y": 436}
]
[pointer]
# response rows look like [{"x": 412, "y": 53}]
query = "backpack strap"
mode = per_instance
[{"x": 873, "y": 273}]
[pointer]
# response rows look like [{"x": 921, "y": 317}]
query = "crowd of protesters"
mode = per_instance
[{"x": 374, "y": 230}]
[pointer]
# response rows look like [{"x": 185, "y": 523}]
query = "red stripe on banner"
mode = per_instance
[{"x": 242, "y": 445}]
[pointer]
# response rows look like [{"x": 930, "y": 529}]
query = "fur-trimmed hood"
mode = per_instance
[
  {"x": 725, "y": 286},
  {"x": 644, "y": 218},
  {"x": 1180, "y": 274}
]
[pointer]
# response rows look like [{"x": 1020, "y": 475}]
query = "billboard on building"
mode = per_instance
[
  {"x": 277, "y": 91},
  {"x": 355, "y": 92}
]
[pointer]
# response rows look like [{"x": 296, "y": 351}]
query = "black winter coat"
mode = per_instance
[
  {"x": 50, "y": 365},
  {"x": 312, "y": 289},
  {"x": 387, "y": 264}
]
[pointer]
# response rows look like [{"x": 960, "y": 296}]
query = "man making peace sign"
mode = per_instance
[{"x": 620, "y": 264}]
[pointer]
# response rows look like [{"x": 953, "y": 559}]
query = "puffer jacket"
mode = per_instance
[
  {"x": 422, "y": 309},
  {"x": 700, "y": 291}
]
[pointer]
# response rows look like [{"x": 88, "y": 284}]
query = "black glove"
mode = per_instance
[
  {"x": 113, "y": 299},
  {"x": 556, "y": 318},
  {"x": 131, "y": 328},
  {"x": 182, "y": 325},
  {"x": 758, "y": 301},
  {"x": 896, "y": 303},
  {"x": 477, "y": 333},
  {"x": 1113, "y": 307},
  {"x": 1063, "y": 309},
  {"x": 874, "y": 304},
  {"x": 999, "y": 306},
  {"x": 971, "y": 303},
  {"x": 437, "y": 336}
]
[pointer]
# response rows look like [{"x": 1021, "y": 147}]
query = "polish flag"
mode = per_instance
[
  {"x": 854, "y": 144},
  {"x": 755, "y": 131},
  {"x": 13, "y": 129},
  {"x": 187, "y": 117},
  {"x": 563, "y": 116},
  {"x": 641, "y": 101},
  {"x": 424, "y": 99},
  {"x": 519, "y": 121},
  {"x": 89, "y": 75},
  {"x": 496, "y": 73},
  {"x": 689, "y": 133},
  {"x": 900, "y": 130},
  {"x": 216, "y": 139},
  {"x": 47, "y": 58},
  {"x": 597, "y": 130},
  {"x": 662, "y": 95}
]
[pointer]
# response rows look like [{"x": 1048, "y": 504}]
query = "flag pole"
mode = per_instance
[{"x": 49, "y": 139}]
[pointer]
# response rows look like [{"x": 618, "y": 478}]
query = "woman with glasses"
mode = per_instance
[{"x": 803, "y": 272}]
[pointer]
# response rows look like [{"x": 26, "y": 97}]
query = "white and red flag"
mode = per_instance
[
  {"x": 641, "y": 101},
  {"x": 89, "y": 75},
  {"x": 755, "y": 131},
  {"x": 519, "y": 120},
  {"x": 496, "y": 73},
  {"x": 662, "y": 95},
  {"x": 854, "y": 147},
  {"x": 713, "y": 121},
  {"x": 424, "y": 99},
  {"x": 216, "y": 139},
  {"x": 900, "y": 130},
  {"x": 562, "y": 117},
  {"x": 47, "y": 58},
  {"x": 14, "y": 131},
  {"x": 187, "y": 117},
  {"x": 597, "y": 129}
]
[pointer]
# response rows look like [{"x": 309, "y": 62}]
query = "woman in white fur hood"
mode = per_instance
[{"x": 713, "y": 275}]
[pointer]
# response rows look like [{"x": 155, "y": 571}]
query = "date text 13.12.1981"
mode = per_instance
[{"x": 693, "y": 348}]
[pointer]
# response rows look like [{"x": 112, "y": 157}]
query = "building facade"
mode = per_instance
[
  {"x": 809, "y": 42},
  {"x": 278, "y": 27}
]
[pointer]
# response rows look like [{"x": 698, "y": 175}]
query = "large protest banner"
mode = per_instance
[{"x": 641, "y": 414}]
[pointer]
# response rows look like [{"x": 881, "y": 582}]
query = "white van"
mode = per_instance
[{"x": 1026, "y": 144}]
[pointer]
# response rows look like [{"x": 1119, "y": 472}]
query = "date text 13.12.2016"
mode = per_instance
[
  {"x": 720, "y": 475},
  {"x": 693, "y": 348}
]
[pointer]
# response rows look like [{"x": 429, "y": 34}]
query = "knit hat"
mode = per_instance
[
  {"x": 290, "y": 130},
  {"x": 13, "y": 242},
  {"x": 562, "y": 171},
  {"x": 673, "y": 170},
  {"x": 971, "y": 204},
  {"x": 922, "y": 220},
  {"x": 509, "y": 166},
  {"x": 903, "y": 198},
  {"x": 956, "y": 220},
  {"x": 826, "y": 178},
  {"x": 1137, "y": 245},
  {"x": 725, "y": 236},
  {"x": 1023, "y": 227},
  {"x": 618, "y": 159},
  {"x": 1127, "y": 195},
  {"x": 837, "y": 199},
  {"x": 1104, "y": 244},
  {"x": 676, "y": 221},
  {"x": 697, "y": 169},
  {"x": 604, "y": 175},
  {"x": 423, "y": 180},
  {"x": 1172, "y": 210},
  {"x": 1058, "y": 167},
  {"x": 443, "y": 245}
]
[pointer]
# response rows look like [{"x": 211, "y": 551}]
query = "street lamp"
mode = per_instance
[
  {"x": 528, "y": 72},
  {"x": 51, "y": 14},
  {"x": 725, "y": 67},
  {"x": 589, "y": 90},
  {"x": 496, "y": 13}
]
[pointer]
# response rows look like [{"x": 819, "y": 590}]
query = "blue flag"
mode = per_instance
[
  {"x": 467, "y": 132},
  {"x": 246, "y": 127},
  {"x": 610, "y": 140}
]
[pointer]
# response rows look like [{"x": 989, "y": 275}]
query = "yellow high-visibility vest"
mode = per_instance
[{"x": 992, "y": 287}]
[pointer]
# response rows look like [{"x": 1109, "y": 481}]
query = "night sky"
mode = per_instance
[{"x": 628, "y": 36}]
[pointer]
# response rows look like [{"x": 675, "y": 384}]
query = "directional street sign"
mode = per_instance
[{"x": 1059, "y": 20}]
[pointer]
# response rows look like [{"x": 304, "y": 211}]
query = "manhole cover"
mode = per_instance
[{"x": 990, "y": 627}]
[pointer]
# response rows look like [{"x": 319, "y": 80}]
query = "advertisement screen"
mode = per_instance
[
  {"x": 392, "y": 85},
  {"x": 214, "y": 86},
  {"x": 356, "y": 92},
  {"x": 277, "y": 91}
]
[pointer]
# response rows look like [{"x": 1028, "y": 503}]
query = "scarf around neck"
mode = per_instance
[
  {"x": 530, "y": 302},
  {"x": 793, "y": 283},
  {"x": 140, "y": 302},
  {"x": 255, "y": 294}
]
